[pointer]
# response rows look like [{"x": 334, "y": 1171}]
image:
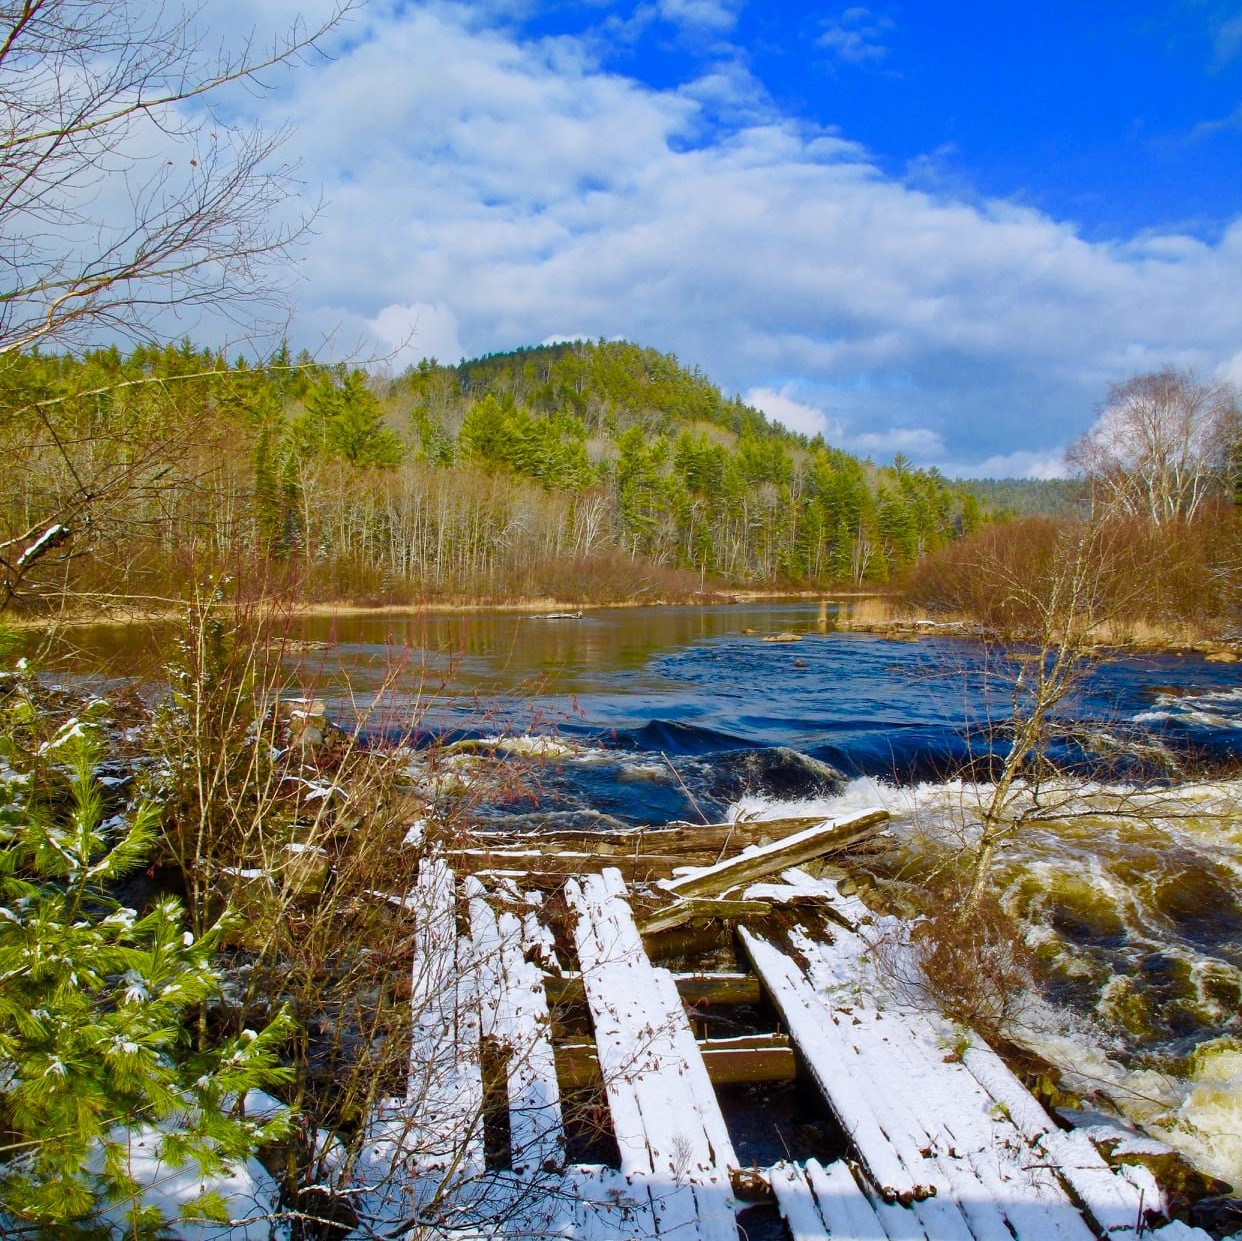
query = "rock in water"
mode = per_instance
[{"x": 776, "y": 772}]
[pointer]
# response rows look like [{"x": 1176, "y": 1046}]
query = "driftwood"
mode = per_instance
[
  {"x": 640, "y": 853},
  {"x": 805, "y": 846}
]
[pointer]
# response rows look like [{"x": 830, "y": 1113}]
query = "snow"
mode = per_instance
[
  {"x": 55, "y": 533},
  {"x": 666, "y": 1117},
  {"x": 250, "y": 1195}
]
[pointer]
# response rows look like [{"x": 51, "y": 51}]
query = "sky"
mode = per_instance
[{"x": 940, "y": 229}]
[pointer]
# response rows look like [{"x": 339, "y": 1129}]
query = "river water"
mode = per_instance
[{"x": 663, "y": 713}]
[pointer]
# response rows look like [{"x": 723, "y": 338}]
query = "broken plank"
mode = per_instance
[
  {"x": 703, "y": 907},
  {"x": 445, "y": 1088},
  {"x": 515, "y": 1015},
  {"x": 828, "y": 1060},
  {"x": 1109, "y": 1199},
  {"x": 666, "y": 1118},
  {"x": 827, "y": 837}
]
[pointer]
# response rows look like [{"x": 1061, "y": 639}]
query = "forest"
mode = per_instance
[{"x": 585, "y": 471}]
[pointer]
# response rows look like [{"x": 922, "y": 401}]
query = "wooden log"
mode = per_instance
[
  {"x": 718, "y": 988},
  {"x": 668, "y": 839},
  {"x": 750, "y": 1058},
  {"x": 695, "y": 989},
  {"x": 703, "y": 907},
  {"x": 827, "y": 837},
  {"x": 533, "y": 868}
]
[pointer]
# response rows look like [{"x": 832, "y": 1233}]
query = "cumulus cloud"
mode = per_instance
[
  {"x": 796, "y": 415},
  {"x": 505, "y": 188},
  {"x": 420, "y": 330},
  {"x": 1045, "y": 465}
]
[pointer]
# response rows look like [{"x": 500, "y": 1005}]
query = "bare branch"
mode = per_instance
[{"x": 122, "y": 192}]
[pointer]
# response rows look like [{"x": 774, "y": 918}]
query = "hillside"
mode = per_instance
[
  {"x": 588, "y": 471},
  {"x": 1027, "y": 497}
]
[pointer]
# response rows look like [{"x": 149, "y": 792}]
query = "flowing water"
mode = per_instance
[{"x": 656, "y": 714}]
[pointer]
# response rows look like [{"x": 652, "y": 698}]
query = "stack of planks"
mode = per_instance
[{"x": 945, "y": 1144}]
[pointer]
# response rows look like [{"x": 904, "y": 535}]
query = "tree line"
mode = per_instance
[{"x": 576, "y": 470}]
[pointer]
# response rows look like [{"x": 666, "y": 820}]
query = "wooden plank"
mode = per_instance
[
  {"x": 694, "y": 988},
  {"x": 607, "y": 1206},
  {"x": 827, "y": 837},
  {"x": 987, "y": 1179},
  {"x": 515, "y": 1015},
  {"x": 748, "y": 1058},
  {"x": 829, "y": 1061},
  {"x": 1111, "y": 1201},
  {"x": 666, "y": 1118},
  {"x": 797, "y": 1203},
  {"x": 818, "y": 1203},
  {"x": 445, "y": 1088},
  {"x": 842, "y": 1204},
  {"x": 718, "y": 988},
  {"x": 992, "y": 1183},
  {"x": 703, "y": 907},
  {"x": 427, "y": 1146}
]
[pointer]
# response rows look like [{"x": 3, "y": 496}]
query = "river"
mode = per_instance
[{"x": 664, "y": 713}]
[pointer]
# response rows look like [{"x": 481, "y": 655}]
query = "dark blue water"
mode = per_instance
[{"x": 676, "y": 713}]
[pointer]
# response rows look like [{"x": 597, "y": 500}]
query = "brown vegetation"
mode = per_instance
[{"x": 1179, "y": 580}]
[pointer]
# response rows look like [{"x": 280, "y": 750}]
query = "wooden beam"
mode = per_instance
[
  {"x": 718, "y": 988},
  {"x": 693, "y": 988},
  {"x": 827, "y": 837},
  {"x": 703, "y": 907},
  {"x": 751, "y": 1058}
]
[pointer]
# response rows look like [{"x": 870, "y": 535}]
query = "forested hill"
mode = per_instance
[
  {"x": 1026, "y": 497},
  {"x": 583, "y": 470}
]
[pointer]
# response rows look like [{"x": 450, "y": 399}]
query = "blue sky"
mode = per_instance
[{"x": 941, "y": 229}]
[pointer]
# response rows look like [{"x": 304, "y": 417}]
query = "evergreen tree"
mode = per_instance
[{"x": 94, "y": 1002}]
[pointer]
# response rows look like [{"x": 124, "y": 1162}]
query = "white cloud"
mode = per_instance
[
  {"x": 717, "y": 15},
  {"x": 856, "y": 36},
  {"x": 796, "y": 415},
  {"x": 1230, "y": 371},
  {"x": 511, "y": 188},
  {"x": 1021, "y": 464},
  {"x": 410, "y": 333},
  {"x": 919, "y": 443}
]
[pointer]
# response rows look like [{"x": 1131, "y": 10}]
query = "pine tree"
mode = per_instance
[{"x": 94, "y": 1001}]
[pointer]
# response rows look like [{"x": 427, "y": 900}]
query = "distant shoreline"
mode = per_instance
[{"x": 866, "y": 611}]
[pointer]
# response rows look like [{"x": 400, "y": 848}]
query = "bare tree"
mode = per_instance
[
  {"x": 1160, "y": 446},
  {"x": 126, "y": 192},
  {"x": 123, "y": 190}
]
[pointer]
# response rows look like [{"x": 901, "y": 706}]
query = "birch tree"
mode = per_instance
[{"x": 1161, "y": 445}]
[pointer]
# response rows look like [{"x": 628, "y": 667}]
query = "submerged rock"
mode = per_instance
[{"x": 778, "y": 772}]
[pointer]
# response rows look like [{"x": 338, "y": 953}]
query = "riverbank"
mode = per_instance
[
  {"x": 849, "y": 611},
  {"x": 886, "y": 616}
]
